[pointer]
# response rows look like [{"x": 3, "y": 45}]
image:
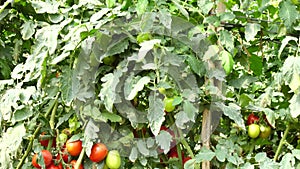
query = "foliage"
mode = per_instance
[{"x": 78, "y": 65}]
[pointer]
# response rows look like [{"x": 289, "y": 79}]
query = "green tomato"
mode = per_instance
[
  {"x": 113, "y": 159},
  {"x": 162, "y": 90},
  {"x": 143, "y": 37},
  {"x": 109, "y": 60},
  {"x": 265, "y": 131},
  {"x": 253, "y": 130},
  {"x": 168, "y": 102}
]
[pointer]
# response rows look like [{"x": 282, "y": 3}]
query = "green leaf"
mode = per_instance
[
  {"x": 146, "y": 47},
  {"x": 133, "y": 154},
  {"x": 165, "y": 18},
  {"x": 291, "y": 71},
  {"x": 227, "y": 61},
  {"x": 204, "y": 155},
  {"x": 244, "y": 100},
  {"x": 221, "y": 152},
  {"x": 108, "y": 91},
  {"x": 196, "y": 65},
  {"x": 50, "y": 7},
  {"x": 142, "y": 147},
  {"x": 205, "y": 6},
  {"x": 296, "y": 153},
  {"x": 22, "y": 113},
  {"x": 141, "y": 6},
  {"x": 233, "y": 112},
  {"x": 190, "y": 110},
  {"x": 256, "y": 64},
  {"x": 227, "y": 16},
  {"x": 164, "y": 139},
  {"x": 98, "y": 15},
  {"x": 28, "y": 29},
  {"x": 117, "y": 47},
  {"x": 10, "y": 142},
  {"x": 251, "y": 31},
  {"x": 67, "y": 85},
  {"x": 288, "y": 13},
  {"x": 111, "y": 117},
  {"x": 47, "y": 37},
  {"x": 284, "y": 42},
  {"x": 180, "y": 119},
  {"x": 110, "y": 3},
  {"x": 181, "y": 8},
  {"x": 295, "y": 105},
  {"x": 155, "y": 114},
  {"x": 138, "y": 87},
  {"x": 227, "y": 40},
  {"x": 287, "y": 161}
]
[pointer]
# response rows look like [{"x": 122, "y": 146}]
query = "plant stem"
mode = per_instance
[
  {"x": 28, "y": 147},
  {"x": 80, "y": 158},
  {"x": 37, "y": 130},
  {"x": 52, "y": 118},
  {"x": 282, "y": 142}
]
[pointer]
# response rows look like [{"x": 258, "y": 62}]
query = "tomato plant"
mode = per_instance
[
  {"x": 218, "y": 80},
  {"x": 47, "y": 156},
  {"x": 113, "y": 159},
  {"x": 98, "y": 152},
  {"x": 74, "y": 147}
]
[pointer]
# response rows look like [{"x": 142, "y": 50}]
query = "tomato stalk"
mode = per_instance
[
  {"x": 282, "y": 141},
  {"x": 80, "y": 158},
  {"x": 37, "y": 130},
  {"x": 52, "y": 118}
]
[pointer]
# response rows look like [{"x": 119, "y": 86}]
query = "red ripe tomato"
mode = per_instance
[
  {"x": 99, "y": 152},
  {"x": 65, "y": 157},
  {"x": 252, "y": 119},
  {"x": 174, "y": 154},
  {"x": 47, "y": 159},
  {"x": 73, "y": 162},
  {"x": 53, "y": 166},
  {"x": 74, "y": 148},
  {"x": 46, "y": 141},
  {"x": 186, "y": 159}
]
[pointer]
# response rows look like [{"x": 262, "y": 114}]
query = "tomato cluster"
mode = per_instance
[
  {"x": 71, "y": 149},
  {"x": 256, "y": 129}
]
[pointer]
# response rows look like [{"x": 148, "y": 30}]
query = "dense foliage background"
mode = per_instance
[{"x": 100, "y": 70}]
